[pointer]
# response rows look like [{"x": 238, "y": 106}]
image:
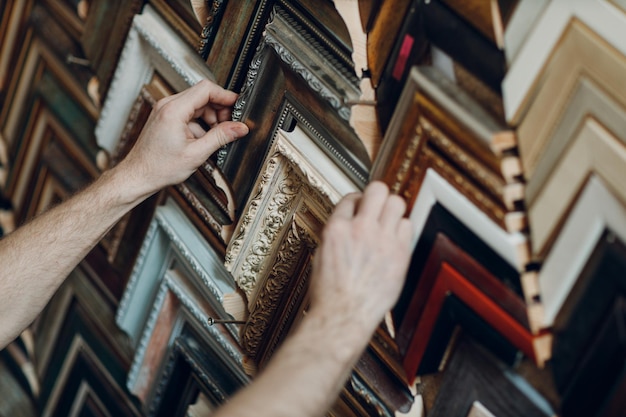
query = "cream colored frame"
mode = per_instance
[
  {"x": 151, "y": 46},
  {"x": 594, "y": 150},
  {"x": 581, "y": 53},
  {"x": 587, "y": 100},
  {"x": 297, "y": 176},
  {"x": 527, "y": 69}
]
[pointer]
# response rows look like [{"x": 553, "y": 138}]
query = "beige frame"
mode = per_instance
[{"x": 594, "y": 150}]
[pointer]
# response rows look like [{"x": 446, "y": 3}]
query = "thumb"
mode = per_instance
[{"x": 220, "y": 135}]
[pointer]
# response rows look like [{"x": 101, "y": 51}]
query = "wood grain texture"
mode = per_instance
[{"x": 473, "y": 374}]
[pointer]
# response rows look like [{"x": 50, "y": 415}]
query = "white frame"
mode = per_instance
[
  {"x": 608, "y": 21},
  {"x": 171, "y": 236},
  {"x": 524, "y": 18},
  {"x": 151, "y": 46},
  {"x": 596, "y": 210},
  {"x": 512, "y": 247}
]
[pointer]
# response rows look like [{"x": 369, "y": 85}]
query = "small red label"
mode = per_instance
[{"x": 405, "y": 50}]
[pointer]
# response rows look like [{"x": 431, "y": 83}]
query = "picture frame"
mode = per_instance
[
  {"x": 270, "y": 252},
  {"x": 445, "y": 250},
  {"x": 513, "y": 247},
  {"x": 192, "y": 369},
  {"x": 449, "y": 280},
  {"x": 599, "y": 17},
  {"x": 287, "y": 81},
  {"x": 179, "y": 303},
  {"x": 581, "y": 53},
  {"x": 432, "y": 127},
  {"x": 40, "y": 65},
  {"x": 171, "y": 238},
  {"x": 494, "y": 384},
  {"x": 518, "y": 27},
  {"x": 586, "y": 311},
  {"x": 81, "y": 362},
  {"x": 604, "y": 361},
  {"x": 596, "y": 210},
  {"x": 442, "y": 228},
  {"x": 151, "y": 46},
  {"x": 231, "y": 55},
  {"x": 588, "y": 100},
  {"x": 594, "y": 150}
]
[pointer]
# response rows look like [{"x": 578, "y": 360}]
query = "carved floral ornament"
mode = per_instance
[{"x": 289, "y": 185}]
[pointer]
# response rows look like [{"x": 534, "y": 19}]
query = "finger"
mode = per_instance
[
  {"x": 204, "y": 93},
  {"x": 197, "y": 130},
  {"x": 219, "y": 136},
  {"x": 392, "y": 212},
  {"x": 347, "y": 206},
  {"x": 373, "y": 201}
]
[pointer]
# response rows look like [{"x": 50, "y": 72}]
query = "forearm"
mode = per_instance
[
  {"x": 305, "y": 376},
  {"x": 37, "y": 257}
]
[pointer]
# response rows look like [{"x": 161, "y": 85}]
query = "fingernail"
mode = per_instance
[{"x": 240, "y": 129}]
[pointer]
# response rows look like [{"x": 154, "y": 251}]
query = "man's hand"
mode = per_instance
[
  {"x": 361, "y": 264},
  {"x": 172, "y": 145}
]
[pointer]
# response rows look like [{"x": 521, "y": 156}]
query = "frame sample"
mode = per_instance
[
  {"x": 151, "y": 47},
  {"x": 583, "y": 313},
  {"x": 594, "y": 150},
  {"x": 492, "y": 383},
  {"x": 588, "y": 101},
  {"x": 231, "y": 54},
  {"x": 45, "y": 133},
  {"x": 433, "y": 122},
  {"x": 463, "y": 42},
  {"x": 84, "y": 333},
  {"x": 444, "y": 250},
  {"x": 288, "y": 81},
  {"x": 513, "y": 247},
  {"x": 448, "y": 281},
  {"x": 518, "y": 27},
  {"x": 599, "y": 16},
  {"x": 526, "y": 72},
  {"x": 270, "y": 252},
  {"x": 13, "y": 25},
  {"x": 180, "y": 302},
  {"x": 444, "y": 237},
  {"x": 456, "y": 317},
  {"x": 582, "y": 54},
  {"x": 106, "y": 27},
  {"x": 604, "y": 362},
  {"x": 193, "y": 368},
  {"x": 596, "y": 210},
  {"x": 171, "y": 239},
  {"x": 181, "y": 16}
]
